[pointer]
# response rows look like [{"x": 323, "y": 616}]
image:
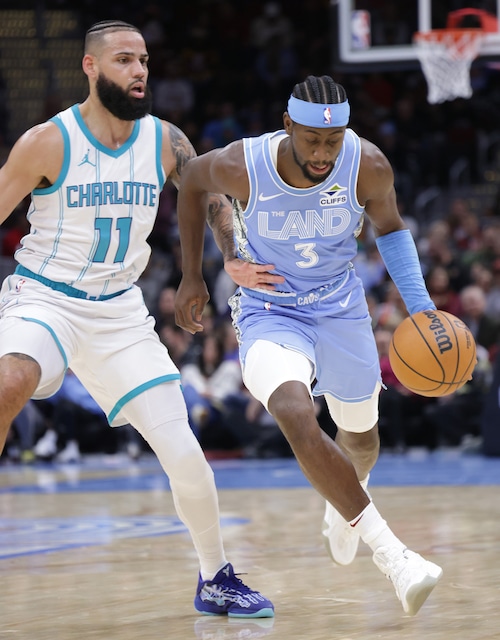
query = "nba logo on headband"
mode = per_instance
[{"x": 316, "y": 114}]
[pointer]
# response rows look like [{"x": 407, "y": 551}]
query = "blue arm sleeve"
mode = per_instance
[{"x": 399, "y": 254}]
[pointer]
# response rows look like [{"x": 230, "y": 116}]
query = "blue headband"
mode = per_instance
[{"x": 321, "y": 116}]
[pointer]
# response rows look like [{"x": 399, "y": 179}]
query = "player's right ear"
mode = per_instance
[{"x": 89, "y": 65}]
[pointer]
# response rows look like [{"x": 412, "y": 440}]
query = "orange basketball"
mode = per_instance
[{"x": 432, "y": 353}]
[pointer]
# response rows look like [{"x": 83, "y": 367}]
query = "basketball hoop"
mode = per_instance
[{"x": 446, "y": 56}]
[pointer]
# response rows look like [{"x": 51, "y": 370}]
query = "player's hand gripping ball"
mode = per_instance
[{"x": 432, "y": 353}]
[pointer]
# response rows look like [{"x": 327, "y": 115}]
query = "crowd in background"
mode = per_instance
[{"x": 222, "y": 70}]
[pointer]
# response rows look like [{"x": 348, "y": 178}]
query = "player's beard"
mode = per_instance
[
  {"x": 120, "y": 103},
  {"x": 310, "y": 176}
]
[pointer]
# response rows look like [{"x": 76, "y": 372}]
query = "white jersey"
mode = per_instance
[{"x": 89, "y": 229}]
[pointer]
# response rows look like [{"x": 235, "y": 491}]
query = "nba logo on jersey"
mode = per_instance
[
  {"x": 327, "y": 116},
  {"x": 19, "y": 284}
]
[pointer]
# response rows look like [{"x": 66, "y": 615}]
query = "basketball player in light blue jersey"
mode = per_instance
[
  {"x": 299, "y": 197},
  {"x": 95, "y": 172}
]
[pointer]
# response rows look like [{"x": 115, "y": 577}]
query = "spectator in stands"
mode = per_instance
[
  {"x": 484, "y": 328},
  {"x": 489, "y": 249},
  {"x": 436, "y": 247},
  {"x": 370, "y": 267},
  {"x": 454, "y": 420},
  {"x": 390, "y": 311},
  {"x": 400, "y": 410},
  {"x": 493, "y": 294},
  {"x": 17, "y": 228},
  {"x": 207, "y": 385},
  {"x": 439, "y": 287},
  {"x": 222, "y": 128},
  {"x": 164, "y": 312},
  {"x": 4, "y": 112},
  {"x": 22, "y": 437},
  {"x": 269, "y": 24},
  {"x": 75, "y": 417},
  {"x": 173, "y": 96}
]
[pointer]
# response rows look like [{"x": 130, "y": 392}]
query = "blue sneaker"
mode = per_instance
[{"x": 226, "y": 594}]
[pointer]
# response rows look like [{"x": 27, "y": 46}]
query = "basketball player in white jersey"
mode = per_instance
[
  {"x": 299, "y": 197},
  {"x": 95, "y": 172}
]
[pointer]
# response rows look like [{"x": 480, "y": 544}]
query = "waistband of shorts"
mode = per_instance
[
  {"x": 67, "y": 289},
  {"x": 293, "y": 299}
]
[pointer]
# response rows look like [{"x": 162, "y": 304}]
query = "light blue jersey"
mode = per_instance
[
  {"x": 89, "y": 229},
  {"x": 310, "y": 233},
  {"x": 320, "y": 310}
]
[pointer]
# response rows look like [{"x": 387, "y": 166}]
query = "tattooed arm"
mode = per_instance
[
  {"x": 220, "y": 220},
  {"x": 176, "y": 151},
  {"x": 219, "y": 210},
  {"x": 192, "y": 294}
]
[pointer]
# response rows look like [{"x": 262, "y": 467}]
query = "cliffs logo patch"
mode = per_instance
[{"x": 334, "y": 195}]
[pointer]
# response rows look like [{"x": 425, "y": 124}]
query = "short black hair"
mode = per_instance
[
  {"x": 320, "y": 89},
  {"x": 99, "y": 29}
]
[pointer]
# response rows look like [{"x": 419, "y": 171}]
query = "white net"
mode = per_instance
[{"x": 446, "y": 56}]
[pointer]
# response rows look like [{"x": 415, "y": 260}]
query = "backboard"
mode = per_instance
[{"x": 379, "y": 33}]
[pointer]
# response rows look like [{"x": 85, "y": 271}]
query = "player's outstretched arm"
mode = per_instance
[{"x": 394, "y": 241}]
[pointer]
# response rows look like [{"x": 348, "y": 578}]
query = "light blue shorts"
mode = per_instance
[{"x": 331, "y": 326}]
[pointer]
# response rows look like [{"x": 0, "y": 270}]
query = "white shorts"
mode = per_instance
[{"x": 111, "y": 345}]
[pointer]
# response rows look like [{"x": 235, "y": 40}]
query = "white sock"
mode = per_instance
[
  {"x": 373, "y": 529},
  {"x": 364, "y": 483}
]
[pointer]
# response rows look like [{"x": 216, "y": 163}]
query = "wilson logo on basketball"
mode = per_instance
[
  {"x": 432, "y": 353},
  {"x": 443, "y": 340}
]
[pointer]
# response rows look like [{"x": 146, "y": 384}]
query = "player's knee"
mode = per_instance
[
  {"x": 292, "y": 408},
  {"x": 19, "y": 375},
  {"x": 363, "y": 445},
  {"x": 19, "y": 379},
  {"x": 191, "y": 476}
]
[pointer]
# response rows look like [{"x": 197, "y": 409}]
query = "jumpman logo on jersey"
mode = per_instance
[{"x": 85, "y": 160}]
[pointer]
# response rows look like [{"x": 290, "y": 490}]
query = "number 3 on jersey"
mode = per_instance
[
  {"x": 103, "y": 227},
  {"x": 307, "y": 251}
]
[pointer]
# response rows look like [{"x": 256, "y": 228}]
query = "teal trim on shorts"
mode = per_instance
[
  {"x": 138, "y": 390},
  {"x": 56, "y": 340},
  {"x": 67, "y": 289}
]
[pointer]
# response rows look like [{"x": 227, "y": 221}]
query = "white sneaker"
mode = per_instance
[
  {"x": 341, "y": 540},
  {"x": 412, "y": 576},
  {"x": 70, "y": 453},
  {"x": 46, "y": 447}
]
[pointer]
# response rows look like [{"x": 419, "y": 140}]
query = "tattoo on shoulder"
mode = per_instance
[{"x": 182, "y": 149}]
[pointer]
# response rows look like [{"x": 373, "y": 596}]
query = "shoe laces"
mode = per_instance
[
  {"x": 397, "y": 564},
  {"x": 232, "y": 581}
]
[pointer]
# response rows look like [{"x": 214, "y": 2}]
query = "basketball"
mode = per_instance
[{"x": 432, "y": 353}]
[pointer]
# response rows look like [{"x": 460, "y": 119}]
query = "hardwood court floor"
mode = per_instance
[{"x": 96, "y": 552}]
